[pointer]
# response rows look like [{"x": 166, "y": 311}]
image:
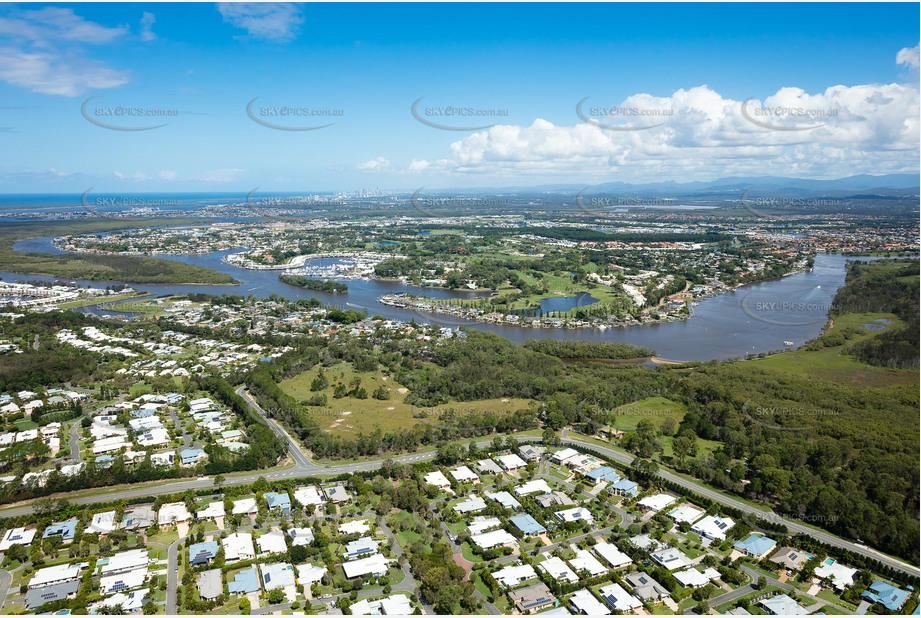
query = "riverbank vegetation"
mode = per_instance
[
  {"x": 314, "y": 285},
  {"x": 94, "y": 267}
]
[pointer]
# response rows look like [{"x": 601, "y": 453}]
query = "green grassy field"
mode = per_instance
[
  {"x": 89, "y": 302},
  {"x": 655, "y": 409},
  {"x": 834, "y": 364},
  {"x": 350, "y": 416}
]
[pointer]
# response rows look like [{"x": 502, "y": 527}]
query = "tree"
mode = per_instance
[
  {"x": 449, "y": 453},
  {"x": 245, "y": 605},
  {"x": 682, "y": 447},
  {"x": 550, "y": 437},
  {"x": 219, "y": 480},
  {"x": 669, "y": 426},
  {"x": 276, "y": 596}
]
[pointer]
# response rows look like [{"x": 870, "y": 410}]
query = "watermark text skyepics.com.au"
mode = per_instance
[
  {"x": 294, "y": 117},
  {"x": 786, "y": 118},
  {"x": 126, "y": 117},
  {"x": 451, "y": 117}
]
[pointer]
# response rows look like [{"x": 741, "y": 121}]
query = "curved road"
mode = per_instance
[{"x": 304, "y": 467}]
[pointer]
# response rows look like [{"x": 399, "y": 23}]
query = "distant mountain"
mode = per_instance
[{"x": 864, "y": 185}]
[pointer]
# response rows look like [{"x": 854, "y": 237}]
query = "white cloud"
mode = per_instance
[
  {"x": 167, "y": 175},
  {"x": 219, "y": 175},
  {"x": 131, "y": 176},
  {"x": 44, "y": 52},
  {"x": 418, "y": 165},
  {"x": 50, "y": 73},
  {"x": 859, "y": 129},
  {"x": 147, "y": 22},
  {"x": 271, "y": 21},
  {"x": 908, "y": 56},
  {"x": 379, "y": 164}
]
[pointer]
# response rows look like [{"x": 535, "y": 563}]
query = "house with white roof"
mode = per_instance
[
  {"x": 611, "y": 554},
  {"x": 538, "y": 486},
  {"x": 470, "y": 505},
  {"x": 561, "y": 456},
  {"x": 514, "y": 575},
  {"x": 120, "y": 582},
  {"x": 301, "y": 536},
  {"x": 584, "y": 602},
  {"x": 576, "y": 514},
  {"x": 125, "y": 561},
  {"x": 839, "y": 575},
  {"x": 505, "y": 499},
  {"x": 375, "y": 565},
  {"x": 619, "y": 599},
  {"x": 585, "y": 561},
  {"x": 238, "y": 546},
  {"x": 692, "y": 578},
  {"x": 671, "y": 558},
  {"x": 685, "y": 514},
  {"x": 479, "y": 525},
  {"x": 656, "y": 503},
  {"x": 713, "y": 527},
  {"x": 493, "y": 539},
  {"x": 308, "y": 574},
  {"x": 558, "y": 570},
  {"x": 60, "y": 574},
  {"x": 464, "y": 474},
  {"x": 438, "y": 479},
  {"x": 102, "y": 523},
  {"x": 272, "y": 543},
  {"x": 17, "y": 536},
  {"x": 356, "y": 526},
  {"x": 173, "y": 514},
  {"x": 510, "y": 462},
  {"x": 245, "y": 506},
  {"x": 308, "y": 495},
  {"x": 394, "y": 605}
]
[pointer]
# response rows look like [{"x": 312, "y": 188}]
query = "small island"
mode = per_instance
[{"x": 314, "y": 285}]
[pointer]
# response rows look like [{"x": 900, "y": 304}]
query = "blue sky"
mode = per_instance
[{"x": 705, "y": 91}]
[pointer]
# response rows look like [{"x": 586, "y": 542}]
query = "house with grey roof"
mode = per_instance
[{"x": 210, "y": 584}]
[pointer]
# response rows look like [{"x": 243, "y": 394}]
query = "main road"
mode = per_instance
[{"x": 305, "y": 467}]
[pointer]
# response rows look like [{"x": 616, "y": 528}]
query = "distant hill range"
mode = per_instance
[{"x": 863, "y": 186}]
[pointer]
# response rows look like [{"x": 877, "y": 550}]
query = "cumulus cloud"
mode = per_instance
[
  {"x": 45, "y": 51},
  {"x": 841, "y": 131},
  {"x": 269, "y": 21},
  {"x": 379, "y": 164},
  {"x": 131, "y": 176},
  {"x": 147, "y": 22}
]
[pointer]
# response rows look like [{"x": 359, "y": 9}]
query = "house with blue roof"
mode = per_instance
[
  {"x": 756, "y": 545},
  {"x": 280, "y": 501},
  {"x": 191, "y": 456},
  {"x": 603, "y": 473},
  {"x": 104, "y": 461},
  {"x": 142, "y": 413},
  {"x": 202, "y": 553},
  {"x": 528, "y": 525},
  {"x": 625, "y": 487},
  {"x": 65, "y": 530},
  {"x": 244, "y": 582},
  {"x": 887, "y": 595}
]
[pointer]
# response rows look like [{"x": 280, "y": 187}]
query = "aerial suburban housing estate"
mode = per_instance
[{"x": 493, "y": 309}]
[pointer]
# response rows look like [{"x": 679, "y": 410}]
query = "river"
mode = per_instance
[{"x": 757, "y": 318}]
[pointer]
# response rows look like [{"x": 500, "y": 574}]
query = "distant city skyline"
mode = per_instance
[{"x": 331, "y": 97}]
